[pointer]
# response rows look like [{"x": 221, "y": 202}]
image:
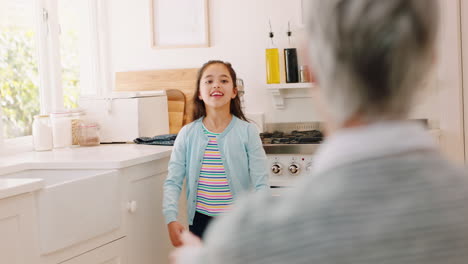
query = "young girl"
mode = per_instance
[{"x": 219, "y": 154}]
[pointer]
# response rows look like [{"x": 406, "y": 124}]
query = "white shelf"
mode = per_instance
[
  {"x": 290, "y": 85},
  {"x": 281, "y": 91}
]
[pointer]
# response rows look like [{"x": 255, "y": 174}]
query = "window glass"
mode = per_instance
[
  {"x": 71, "y": 20},
  {"x": 19, "y": 78}
]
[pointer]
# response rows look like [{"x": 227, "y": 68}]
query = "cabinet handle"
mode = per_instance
[{"x": 132, "y": 206}]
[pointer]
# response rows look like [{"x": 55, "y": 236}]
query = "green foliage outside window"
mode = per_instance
[{"x": 19, "y": 79}]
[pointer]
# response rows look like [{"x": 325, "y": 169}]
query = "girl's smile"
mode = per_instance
[{"x": 217, "y": 94}]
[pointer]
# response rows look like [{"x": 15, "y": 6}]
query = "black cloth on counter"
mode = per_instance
[{"x": 163, "y": 140}]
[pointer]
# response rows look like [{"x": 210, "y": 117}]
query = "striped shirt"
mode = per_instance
[{"x": 213, "y": 194}]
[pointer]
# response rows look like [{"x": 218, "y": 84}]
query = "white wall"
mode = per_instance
[{"x": 239, "y": 34}]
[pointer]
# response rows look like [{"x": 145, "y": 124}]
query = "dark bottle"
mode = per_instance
[{"x": 290, "y": 63}]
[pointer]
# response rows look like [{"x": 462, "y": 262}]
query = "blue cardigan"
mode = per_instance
[{"x": 243, "y": 158}]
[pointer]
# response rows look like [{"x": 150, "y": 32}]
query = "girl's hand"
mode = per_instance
[{"x": 175, "y": 230}]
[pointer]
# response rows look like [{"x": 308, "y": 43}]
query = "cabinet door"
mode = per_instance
[
  {"x": 18, "y": 235},
  {"x": 148, "y": 240},
  {"x": 112, "y": 253},
  {"x": 449, "y": 108}
]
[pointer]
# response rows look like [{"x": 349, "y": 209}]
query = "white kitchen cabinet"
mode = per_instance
[
  {"x": 112, "y": 253},
  {"x": 18, "y": 235},
  {"x": 147, "y": 238},
  {"x": 87, "y": 212},
  {"x": 69, "y": 223},
  {"x": 448, "y": 109},
  {"x": 463, "y": 13},
  {"x": 143, "y": 227}
]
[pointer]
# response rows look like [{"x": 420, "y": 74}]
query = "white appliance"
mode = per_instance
[
  {"x": 124, "y": 116},
  {"x": 290, "y": 148}
]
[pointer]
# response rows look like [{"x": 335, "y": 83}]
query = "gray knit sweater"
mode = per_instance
[{"x": 407, "y": 208}]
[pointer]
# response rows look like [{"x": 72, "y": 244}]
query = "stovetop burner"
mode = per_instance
[
  {"x": 295, "y": 137},
  {"x": 292, "y": 138}
]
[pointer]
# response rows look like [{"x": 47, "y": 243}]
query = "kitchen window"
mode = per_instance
[
  {"x": 50, "y": 54},
  {"x": 19, "y": 76}
]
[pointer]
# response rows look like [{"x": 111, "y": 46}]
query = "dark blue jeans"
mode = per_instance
[{"x": 200, "y": 223}]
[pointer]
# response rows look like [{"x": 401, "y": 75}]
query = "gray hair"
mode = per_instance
[{"x": 370, "y": 55}]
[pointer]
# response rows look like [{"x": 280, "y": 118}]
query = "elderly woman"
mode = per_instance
[{"x": 380, "y": 191}]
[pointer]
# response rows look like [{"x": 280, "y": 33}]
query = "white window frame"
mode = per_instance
[
  {"x": 48, "y": 50},
  {"x": 100, "y": 47},
  {"x": 50, "y": 88}
]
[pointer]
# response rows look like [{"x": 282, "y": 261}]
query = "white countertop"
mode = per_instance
[
  {"x": 106, "y": 156},
  {"x": 12, "y": 187}
]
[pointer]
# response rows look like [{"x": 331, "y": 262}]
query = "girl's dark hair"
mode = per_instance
[{"x": 199, "y": 109}]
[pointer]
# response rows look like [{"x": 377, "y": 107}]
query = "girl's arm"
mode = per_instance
[
  {"x": 175, "y": 178},
  {"x": 257, "y": 159}
]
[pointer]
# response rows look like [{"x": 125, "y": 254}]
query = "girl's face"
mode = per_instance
[{"x": 216, "y": 87}]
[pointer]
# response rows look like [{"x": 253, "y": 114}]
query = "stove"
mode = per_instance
[
  {"x": 290, "y": 148},
  {"x": 295, "y": 137}
]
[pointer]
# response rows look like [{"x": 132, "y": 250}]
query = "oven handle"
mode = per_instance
[{"x": 278, "y": 187}]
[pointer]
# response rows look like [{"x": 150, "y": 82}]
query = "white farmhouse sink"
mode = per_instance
[{"x": 74, "y": 205}]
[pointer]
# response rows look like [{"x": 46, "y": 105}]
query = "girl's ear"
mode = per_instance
[
  {"x": 199, "y": 96},
  {"x": 234, "y": 93}
]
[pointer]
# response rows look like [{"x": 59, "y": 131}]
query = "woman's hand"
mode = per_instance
[
  {"x": 190, "y": 249},
  {"x": 175, "y": 230},
  {"x": 190, "y": 240}
]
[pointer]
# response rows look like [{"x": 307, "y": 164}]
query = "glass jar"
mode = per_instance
[
  {"x": 77, "y": 118},
  {"x": 61, "y": 129},
  {"x": 303, "y": 74},
  {"x": 89, "y": 134},
  {"x": 42, "y": 133}
]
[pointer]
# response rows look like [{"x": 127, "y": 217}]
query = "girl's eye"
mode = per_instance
[
  {"x": 208, "y": 82},
  {"x": 224, "y": 81}
]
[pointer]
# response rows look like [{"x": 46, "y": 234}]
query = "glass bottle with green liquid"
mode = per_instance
[{"x": 272, "y": 61}]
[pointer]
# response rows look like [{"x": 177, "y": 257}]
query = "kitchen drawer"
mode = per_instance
[{"x": 112, "y": 253}]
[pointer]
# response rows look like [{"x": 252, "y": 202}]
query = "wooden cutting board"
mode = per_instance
[
  {"x": 176, "y": 105},
  {"x": 179, "y": 79}
]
